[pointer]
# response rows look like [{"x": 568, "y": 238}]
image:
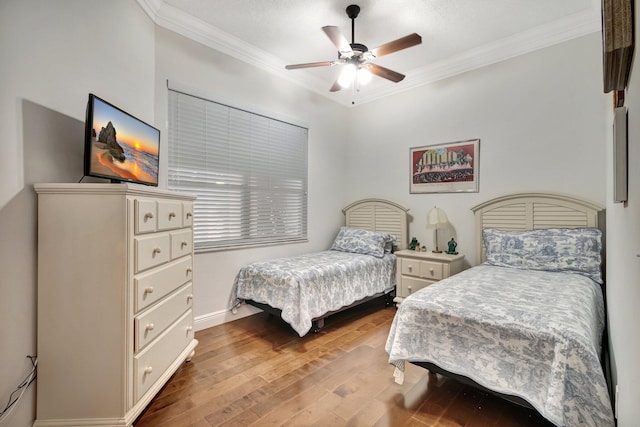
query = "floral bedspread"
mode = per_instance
[
  {"x": 532, "y": 334},
  {"x": 308, "y": 286}
]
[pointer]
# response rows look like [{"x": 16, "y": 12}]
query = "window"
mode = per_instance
[{"x": 249, "y": 173}]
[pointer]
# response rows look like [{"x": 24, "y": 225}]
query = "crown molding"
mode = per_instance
[{"x": 556, "y": 32}]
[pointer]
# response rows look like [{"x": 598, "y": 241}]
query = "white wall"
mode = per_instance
[
  {"x": 53, "y": 54},
  {"x": 224, "y": 79},
  {"x": 623, "y": 262},
  {"x": 539, "y": 118}
]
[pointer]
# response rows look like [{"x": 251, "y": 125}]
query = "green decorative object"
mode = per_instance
[
  {"x": 413, "y": 244},
  {"x": 452, "y": 247}
]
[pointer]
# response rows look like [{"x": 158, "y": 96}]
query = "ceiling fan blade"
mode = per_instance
[
  {"x": 337, "y": 38},
  {"x": 310, "y": 64},
  {"x": 385, "y": 73},
  {"x": 335, "y": 87},
  {"x": 396, "y": 45}
]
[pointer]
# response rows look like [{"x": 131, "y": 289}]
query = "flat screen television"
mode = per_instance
[{"x": 119, "y": 146}]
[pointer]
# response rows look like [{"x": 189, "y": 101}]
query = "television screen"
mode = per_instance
[{"x": 119, "y": 146}]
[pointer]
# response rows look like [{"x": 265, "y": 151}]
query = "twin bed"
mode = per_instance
[
  {"x": 306, "y": 289},
  {"x": 526, "y": 323}
]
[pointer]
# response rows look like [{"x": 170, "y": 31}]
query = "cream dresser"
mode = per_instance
[
  {"x": 416, "y": 270},
  {"x": 115, "y": 297}
]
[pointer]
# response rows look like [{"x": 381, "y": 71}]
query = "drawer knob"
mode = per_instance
[
  {"x": 409, "y": 288},
  {"x": 150, "y": 326},
  {"x": 172, "y": 215},
  {"x": 148, "y": 215},
  {"x": 156, "y": 251},
  {"x": 148, "y": 370},
  {"x": 189, "y": 270},
  {"x": 410, "y": 268},
  {"x": 183, "y": 244},
  {"x": 189, "y": 329},
  {"x": 189, "y": 297},
  {"x": 148, "y": 290},
  {"x": 431, "y": 271},
  {"x": 189, "y": 214}
]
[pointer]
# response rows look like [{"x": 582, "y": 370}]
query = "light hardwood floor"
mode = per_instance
[{"x": 256, "y": 371}]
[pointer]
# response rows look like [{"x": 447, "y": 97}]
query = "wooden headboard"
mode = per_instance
[
  {"x": 533, "y": 211},
  {"x": 379, "y": 215}
]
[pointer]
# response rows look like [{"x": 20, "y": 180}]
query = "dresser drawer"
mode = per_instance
[
  {"x": 431, "y": 270},
  {"x": 169, "y": 214},
  {"x": 151, "y": 250},
  {"x": 155, "y": 284},
  {"x": 187, "y": 214},
  {"x": 412, "y": 285},
  {"x": 145, "y": 216},
  {"x": 181, "y": 243},
  {"x": 153, "y": 361},
  {"x": 151, "y": 323}
]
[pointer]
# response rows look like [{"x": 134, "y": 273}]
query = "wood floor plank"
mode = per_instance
[
  {"x": 319, "y": 412},
  {"x": 287, "y": 409},
  {"x": 369, "y": 415},
  {"x": 257, "y": 371}
]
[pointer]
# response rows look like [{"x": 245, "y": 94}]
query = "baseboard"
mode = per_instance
[{"x": 223, "y": 316}]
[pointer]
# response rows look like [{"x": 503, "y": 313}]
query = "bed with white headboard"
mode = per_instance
[
  {"x": 533, "y": 211},
  {"x": 527, "y": 322},
  {"x": 359, "y": 267},
  {"x": 381, "y": 216}
]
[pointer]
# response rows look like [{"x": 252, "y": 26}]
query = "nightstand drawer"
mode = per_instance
[
  {"x": 411, "y": 285},
  {"x": 426, "y": 269},
  {"x": 416, "y": 270},
  {"x": 410, "y": 267},
  {"x": 431, "y": 270}
]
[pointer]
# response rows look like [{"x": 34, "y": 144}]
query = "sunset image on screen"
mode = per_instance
[{"x": 123, "y": 147}]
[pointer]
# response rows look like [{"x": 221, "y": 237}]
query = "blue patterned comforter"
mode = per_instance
[
  {"x": 532, "y": 334},
  {"x": 308, "y": 286}
]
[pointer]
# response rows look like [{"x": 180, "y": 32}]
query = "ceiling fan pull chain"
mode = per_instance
[{"x": 354, "y": 90}]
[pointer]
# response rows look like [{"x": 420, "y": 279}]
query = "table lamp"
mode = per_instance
[{"x": 436, "y": 218}]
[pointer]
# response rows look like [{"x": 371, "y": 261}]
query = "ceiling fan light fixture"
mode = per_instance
[
  {"x": 357, "y": 59},
  {"x": 364, "y": 76},
  {"x": 347, "y": 75}
]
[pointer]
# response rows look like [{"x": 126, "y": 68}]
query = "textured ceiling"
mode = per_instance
[{"x": 457, "y": 35}]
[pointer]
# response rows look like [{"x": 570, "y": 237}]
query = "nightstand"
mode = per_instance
[{"x": 416, "y": 270}]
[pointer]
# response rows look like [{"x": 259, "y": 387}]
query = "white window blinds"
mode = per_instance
[{"x": 249, "y": 173}]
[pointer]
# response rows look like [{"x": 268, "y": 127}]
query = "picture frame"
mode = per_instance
[
  {"x": 451, "y": 167},
  {"x": 620, "y": 162}
]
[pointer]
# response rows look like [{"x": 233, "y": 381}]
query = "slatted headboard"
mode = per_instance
[
  {"x": 381, "y": 216},
  {"x": 533, "y": 211}
]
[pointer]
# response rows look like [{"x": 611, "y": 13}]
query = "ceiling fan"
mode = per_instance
[{"x": 357, "y": 58}]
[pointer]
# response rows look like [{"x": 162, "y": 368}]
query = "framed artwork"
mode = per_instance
[
  {"x": 620, "y": 165},
  {"x": 445, "y": 168}
]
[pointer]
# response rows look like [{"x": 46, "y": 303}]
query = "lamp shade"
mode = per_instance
[{"x": 436, "y": 218}]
